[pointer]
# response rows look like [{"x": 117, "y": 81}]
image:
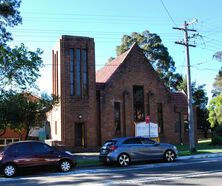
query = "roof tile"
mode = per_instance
[
  {"x": 103, "y": 74},
  {"x": 180, "y": 98}
]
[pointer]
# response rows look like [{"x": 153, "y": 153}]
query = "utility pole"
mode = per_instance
[{"x": 185, "y": 43}]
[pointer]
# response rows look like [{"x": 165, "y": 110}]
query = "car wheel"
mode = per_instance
[
  {"x": 9, "y": 170},
  {"x": 124, "y": 160},
  {"x": 169, "y": 156},
  {"x": 65, "y": 165}
]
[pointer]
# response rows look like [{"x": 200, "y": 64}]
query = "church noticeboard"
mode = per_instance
[{"x": 146, "y": 130}]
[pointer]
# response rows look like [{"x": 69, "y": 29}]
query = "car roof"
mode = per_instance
[
  {"x": 125, "y": 138},
  {"x": 20, "y": 142},
  {"x": 28, "y": 141},
  {"x": 129, "y": 137}
]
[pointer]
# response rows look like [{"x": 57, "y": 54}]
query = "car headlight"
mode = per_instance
[{"x": 175, "y": 147}]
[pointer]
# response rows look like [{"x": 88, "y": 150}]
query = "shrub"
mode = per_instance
[{"x": 217, "y": 136}]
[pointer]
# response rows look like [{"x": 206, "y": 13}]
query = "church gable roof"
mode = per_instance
[
  {"x": 104, "y": 74},
  {"x": 180, "y": 98}
]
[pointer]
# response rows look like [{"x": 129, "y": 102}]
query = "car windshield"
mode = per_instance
[
  {"x": 5, "y": 149},
  {"x": 109, "y": 143}
]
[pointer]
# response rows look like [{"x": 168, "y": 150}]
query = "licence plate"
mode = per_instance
[{"x": 103, "y": 151}]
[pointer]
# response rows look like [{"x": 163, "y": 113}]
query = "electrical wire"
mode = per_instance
[{"x": 168, "y": 13}]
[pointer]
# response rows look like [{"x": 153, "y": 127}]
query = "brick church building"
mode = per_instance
[{"x": 96, "y": 106}]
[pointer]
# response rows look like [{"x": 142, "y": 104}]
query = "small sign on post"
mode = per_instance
[{"x": 147, "y": 119}]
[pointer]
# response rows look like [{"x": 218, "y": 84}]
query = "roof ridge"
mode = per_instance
[{"x": 104, "y": 74}]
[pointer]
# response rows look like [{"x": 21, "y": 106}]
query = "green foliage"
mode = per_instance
[
  {"x": 19, "y": 67},
  {"x": 9, "y": 16},
  {"x": 215, "y": 111},
  {"x": 22, "y": 111},
  {"x": 217, "y": 86},
  {"x": 216, "y": 139},
  {"x": 156, "y": 53},
  {"x": 199, "y": 93},
  {"x": 200, "y": 100},
  {"x": 217, "y": 136},
  {"x": 203, "y": 146},
  {"x": 200, "y": 96}
]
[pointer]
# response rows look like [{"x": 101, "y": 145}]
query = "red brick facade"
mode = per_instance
[
  {"x": 134, "y": 69},
  {"x": 73, "y": 110},
  {"x": 90, "y": 118}
]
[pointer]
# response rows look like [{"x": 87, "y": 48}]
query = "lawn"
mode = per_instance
[
  {"x": 86, "y": 163},
  {"x": 203, "y": 146}
]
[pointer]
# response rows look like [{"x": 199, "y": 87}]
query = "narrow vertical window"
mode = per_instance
[
  {"x": 148, "y": 103},
  {"x": 55, "y": 127},
  {"x": 160, "y": 116},
  {"x": 71, "y": 53},
  {"x": 138, "y": 103},
  {"x": 117, "y": 119},
  {"x": 53, "y": 72},
  {"x": 78, "y": 72},
  {"x": 186, "y": 123},
  {"x": 57, "y": 73},
  {"x": 84, "y": 73}
]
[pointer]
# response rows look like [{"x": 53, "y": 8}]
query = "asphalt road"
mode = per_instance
[{"x": 207, "y": 171}]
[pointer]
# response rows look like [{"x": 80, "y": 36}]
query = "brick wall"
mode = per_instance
[
  {"x": 97, "y": 113},
  {"x": 135, "y": 70},
  {"x": 78, "y": 109}
]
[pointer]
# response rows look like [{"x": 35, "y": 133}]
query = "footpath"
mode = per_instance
[
  {"x": 86, "y": 156},
  {"x": 95, "y": 156}
]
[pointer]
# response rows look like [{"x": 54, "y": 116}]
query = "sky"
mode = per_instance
[{"x": 44, "y": 21}]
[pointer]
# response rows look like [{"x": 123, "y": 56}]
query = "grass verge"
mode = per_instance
[{"x": 203, "y": 146}]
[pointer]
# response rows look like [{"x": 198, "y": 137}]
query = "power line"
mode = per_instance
[{"x": 168, "y": 13}]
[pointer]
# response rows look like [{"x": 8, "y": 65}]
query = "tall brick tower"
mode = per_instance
[{"x": 73, "y": 119}]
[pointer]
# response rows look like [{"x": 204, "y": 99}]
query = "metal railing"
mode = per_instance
[{"x": 5, "y": 141}]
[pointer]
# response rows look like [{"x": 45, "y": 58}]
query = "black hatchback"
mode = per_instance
[{"x": 26, "y": 154}]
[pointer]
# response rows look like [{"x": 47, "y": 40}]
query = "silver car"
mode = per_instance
[{"x": 129, "y": 149}]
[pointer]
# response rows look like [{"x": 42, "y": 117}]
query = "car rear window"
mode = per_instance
[
  {"x": 132, "y": 141},
  {"x": 109, "y": 143}
]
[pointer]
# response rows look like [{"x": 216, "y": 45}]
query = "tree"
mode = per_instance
[
  {"x": 215, "y": 111},
  {"x": 215, "y": 119},
  {"x": 156, "y": 53},
  {"x": 200, "y": 100},
  {"x": 18, "y": 66},
  {"x": 199, "y": 94},
  {"x": 20, "y": 112},
  {"x": 9, "y": 16},
  {"x": 217, "y": 85}
]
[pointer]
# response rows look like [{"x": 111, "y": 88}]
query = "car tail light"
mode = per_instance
[{"x": 112, "y": 148}]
